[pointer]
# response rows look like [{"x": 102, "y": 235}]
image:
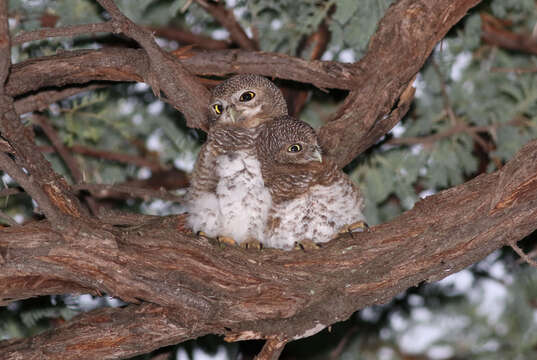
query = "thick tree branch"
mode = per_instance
[
  {"x": 167, "y": 74},
  {"x": 249, "y": 294},
  {"x": 118, "y": 64},
  {"x": 67, "y": 31},
  {"x": 29, "y": 168},
  {"x": 403, "y": 41},
  {"x": 119, "y": 191}
]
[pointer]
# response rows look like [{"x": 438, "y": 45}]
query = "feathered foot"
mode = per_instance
[
  {"x": 306, "y": 245},
  {"x": 359, "y": 226},
  {"x": 226, "y": 240},
  {"x": 252, "y": 244}
]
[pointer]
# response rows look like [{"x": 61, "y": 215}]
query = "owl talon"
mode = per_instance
[
  {"x": 226, "y": 240},
  {"x": 252, "y": 244},
  {"x": 307, "y": 245},
  {"x": 201, "y": 234},
  {"x": 359, "y": 226}
]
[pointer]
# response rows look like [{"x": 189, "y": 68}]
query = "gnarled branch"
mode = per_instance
[{"x": 248, "y": 294}]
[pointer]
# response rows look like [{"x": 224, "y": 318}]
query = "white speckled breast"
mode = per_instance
[
  {"x": 243, "y": 199},
  {"x": 317, "y": 215}
]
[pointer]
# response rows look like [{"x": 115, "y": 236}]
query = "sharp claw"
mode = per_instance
[
  {"x": 306, "y": 245},
  {"x": 252, "y": 244},
  {"x": 226, "y": 240},
  {"x": 359, "y": 226}
]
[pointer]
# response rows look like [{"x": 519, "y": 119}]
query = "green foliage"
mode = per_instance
[
  {"x": 354, "y": 22},
  {"x": 285, "y": 23}
]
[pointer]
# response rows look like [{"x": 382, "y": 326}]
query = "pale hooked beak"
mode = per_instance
[
  {"x": 317, "y": 155},
  {"x": 233, "y": 114}
]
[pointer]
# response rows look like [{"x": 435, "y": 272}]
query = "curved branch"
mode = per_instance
[
  {"x": 227, "y": 19},
  {"x": 249, "y": 294},
  {"x": 119, "y": 64},
  {"x": 167, "y": 74},
  {"x": 29, "y": 167},
  {"x": 405, "y": 37}
]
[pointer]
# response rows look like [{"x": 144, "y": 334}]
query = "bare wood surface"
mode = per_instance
[{"x": 243, "y": 294}]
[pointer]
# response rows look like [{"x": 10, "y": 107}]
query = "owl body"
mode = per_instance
[
  {"x": 311, "y": 198},
  {"x": 317, "y": 214},
  {"x": 244, "y": 201},
  {"x": 227, "y": 195}
]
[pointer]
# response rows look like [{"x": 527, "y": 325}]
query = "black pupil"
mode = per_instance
[
  {"x": 218, "y": 108},
  {"x": 295, "y": 148},
  {"x": 247, "y": 96}
]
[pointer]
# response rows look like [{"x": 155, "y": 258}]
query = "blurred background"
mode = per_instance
[{"x": 475, "y": 107}]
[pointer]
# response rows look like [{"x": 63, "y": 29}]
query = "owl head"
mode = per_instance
[
  {"x": 286, "y": 140},
  {"x": 246, "y": 101}
]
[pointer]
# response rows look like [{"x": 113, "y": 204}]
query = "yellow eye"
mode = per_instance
[
  {"x": 294, "y": 148},
  {"x": 247, "y": 96},
  {"x": 217, "y": 108}
]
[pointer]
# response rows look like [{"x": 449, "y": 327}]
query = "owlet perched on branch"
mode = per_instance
[
  {"x": 312, "y": 199},
  {"x": 227, "y": 197}
]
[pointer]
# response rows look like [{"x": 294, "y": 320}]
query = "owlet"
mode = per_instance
[
  {"x": 312, "y": 199},
  {"x": 227, "y": 197}
]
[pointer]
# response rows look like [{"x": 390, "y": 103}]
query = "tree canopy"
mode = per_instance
[{"x": 429, "y": 106}]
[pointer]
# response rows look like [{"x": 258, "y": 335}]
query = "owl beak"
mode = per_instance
[
  {"x": 233, "y": 114},
  {"x": 317, "y": 155}
]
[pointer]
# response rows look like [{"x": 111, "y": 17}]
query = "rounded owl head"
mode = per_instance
[
  {"x": 246, "y": 100},
  {"x": 286, "y": 140}
]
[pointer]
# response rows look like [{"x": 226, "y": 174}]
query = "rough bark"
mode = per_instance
[
  {"x": 199, "y": 287},
  {"x": 403, "y": 41}
]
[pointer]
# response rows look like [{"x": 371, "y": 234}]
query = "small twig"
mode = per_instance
[
  {"x": 122, "y": 191},
  {"x": 57, "y": 143},
  {"x": 10, "y": 191},
  {"x": 495, "y": 33},
  {"x": 336, "y": 353},
  {"x": 226, "y": 18},
  {"x": 167, "y": 74},
  {"x": 317, "y": 42},
  {"x": 42, "y": 100},
  {"x": 514, "y": 70},
  {"x": 461, "y": 127},
  {"x": 65, "y": 154},
  {"x": 455, "y": 121},
  {"x": 153, "y": 165},
  {"x": 531, "y": 254},
  {"x": 186, "y": 37},
  {"x": 8, "y": 219},
  {"x": 523, "y": 255},
  {"x": 67, "y": 31},
  {"x": 272, "y": 349}
]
